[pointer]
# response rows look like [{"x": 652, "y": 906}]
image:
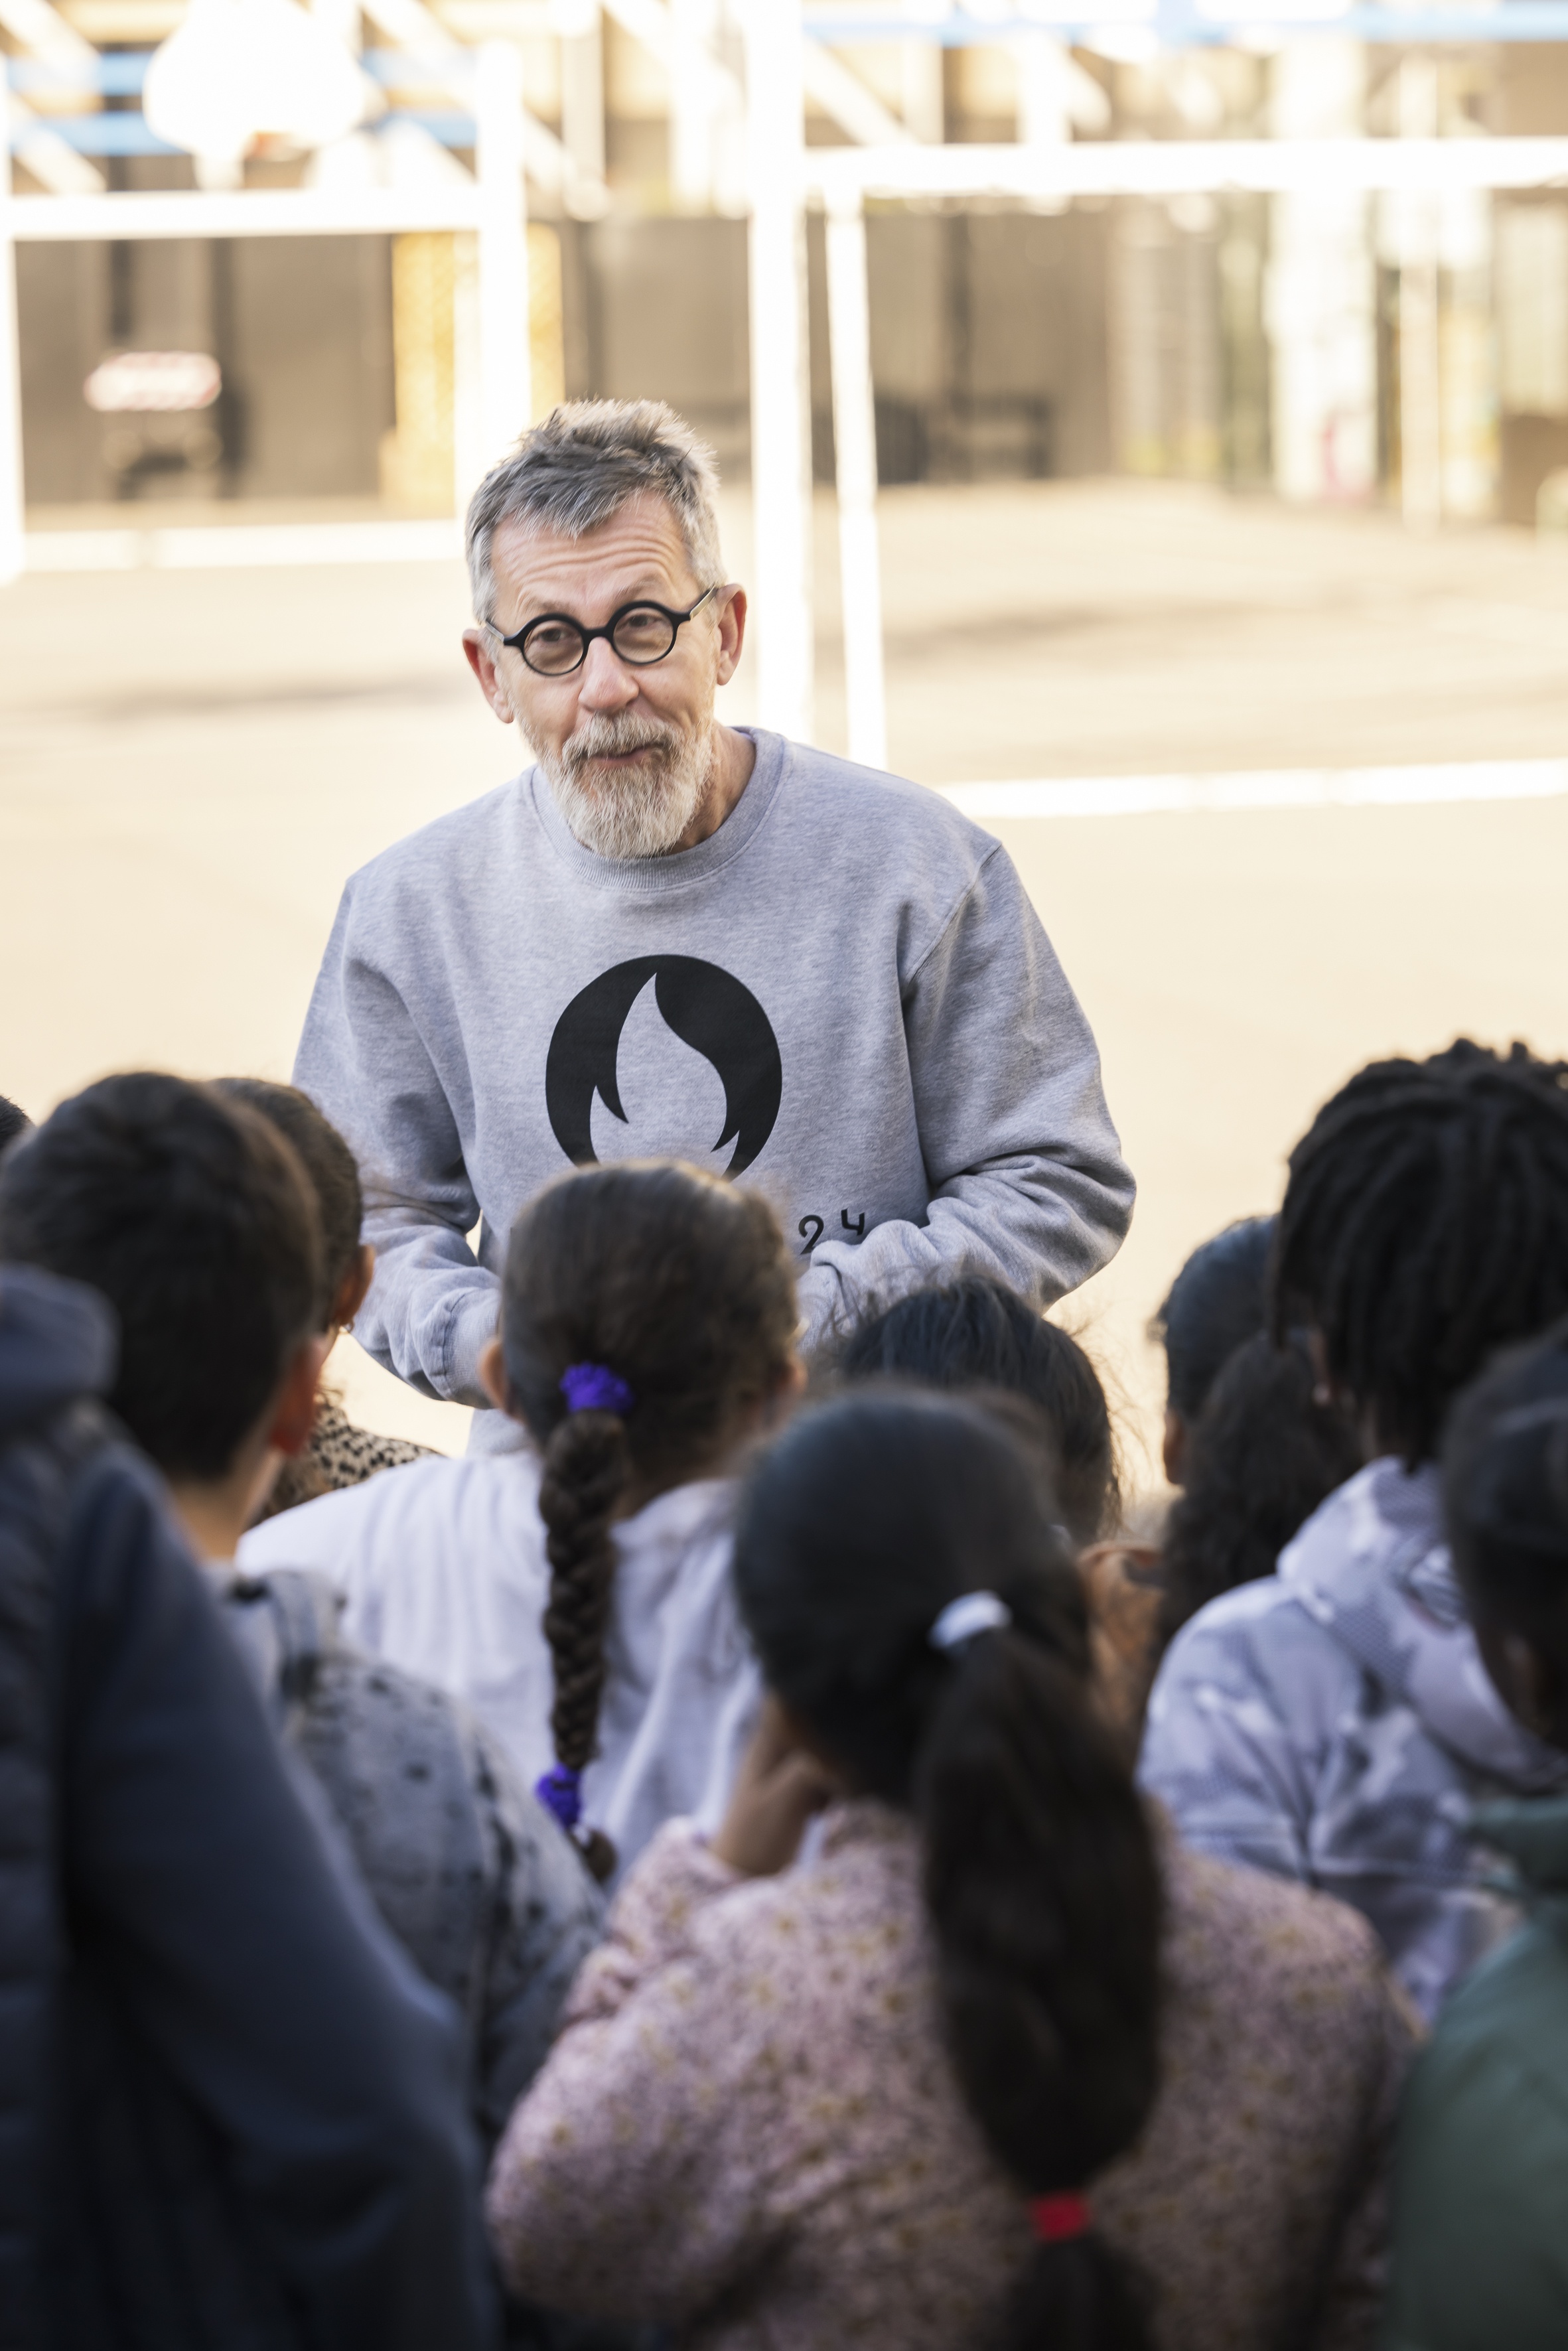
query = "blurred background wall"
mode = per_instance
[{"x": 1247, "y": 341}]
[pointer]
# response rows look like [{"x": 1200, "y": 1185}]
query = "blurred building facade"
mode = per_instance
[{"x": 1258, "y": 340}]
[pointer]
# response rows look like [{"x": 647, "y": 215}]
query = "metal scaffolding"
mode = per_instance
[{"x": 792, "y": 58}]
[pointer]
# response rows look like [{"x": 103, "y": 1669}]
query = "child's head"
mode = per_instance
[
  {"x": 195, "y": 1221},
  {"x": 1263, "y": 1453},
  {"x": 648, "y": 1319},
  {"x": 1424, "y": 1224},
  {"x": 977, "y": 1333},
  {"x": 919, "y": 1617},
  {"x": 1505, "y": 1491},
  {"x": 334, "y": 1174},
  {"x": 13, "y": 1121},
  {"x": 1217, "y": 1301}
]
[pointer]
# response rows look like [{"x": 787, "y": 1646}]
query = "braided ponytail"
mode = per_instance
[
  {"x": 1042, "y": 1888},
  {"x": 587, "y": 1468},
  {"x": 646, "y": 1310},
  {"x": 859, "y": 1529}
]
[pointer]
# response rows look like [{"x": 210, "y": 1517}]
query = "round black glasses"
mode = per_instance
[{"x": 641, "y": 633}]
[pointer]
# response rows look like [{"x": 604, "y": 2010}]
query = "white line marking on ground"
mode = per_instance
[{"x": 1281, "y": 787}]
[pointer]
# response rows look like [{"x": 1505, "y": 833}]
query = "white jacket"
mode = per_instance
[{"x": 442, "y": 1569}]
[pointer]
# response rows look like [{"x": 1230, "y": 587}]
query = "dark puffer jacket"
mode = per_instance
[
  {"x": 230, "y": 2114},
  {"x": 480, "y": 1886}
]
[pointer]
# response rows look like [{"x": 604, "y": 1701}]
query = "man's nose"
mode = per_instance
[{"x": 604, "y": 681}]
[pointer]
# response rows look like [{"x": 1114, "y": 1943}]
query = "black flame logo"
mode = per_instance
[{"x": 707, "y": 1009}]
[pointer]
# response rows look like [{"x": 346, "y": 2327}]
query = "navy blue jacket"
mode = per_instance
[{"x": 231, "y": 2115}]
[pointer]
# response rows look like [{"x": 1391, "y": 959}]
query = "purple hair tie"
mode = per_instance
[
  {"x": 560, "y": 1792},
  {"x": 591, "y": 1387}
]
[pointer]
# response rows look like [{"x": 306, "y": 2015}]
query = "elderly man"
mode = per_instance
[{"x": 674, "y": 936}]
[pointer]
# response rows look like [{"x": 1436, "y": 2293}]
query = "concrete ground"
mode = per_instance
[{"x": 192, "y": 761}]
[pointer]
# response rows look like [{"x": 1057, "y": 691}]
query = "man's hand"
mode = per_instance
[{"x": 779, "y": 1787}]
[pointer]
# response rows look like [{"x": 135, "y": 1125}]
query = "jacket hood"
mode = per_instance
[
  {"x": 286, "y": 1623},
  {"x": 1372, "y": 1567},
  {"x": 57, "y": 1343}
]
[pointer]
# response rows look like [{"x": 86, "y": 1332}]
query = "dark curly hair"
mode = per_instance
[
  {"x": 1217, "y": 1301},
  {"x": 333, "y": 1170},
  {"x": 680, "y": 1285},
  {"x": 1264, "y": 1454},
  {"x": 976, "y": 1333},
  {"x": 196, "y": 1221},
  {"x": 1425, "y": 1224}
]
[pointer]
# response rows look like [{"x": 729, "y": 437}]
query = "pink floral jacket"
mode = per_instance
[{"x": 749, "y": 2131}]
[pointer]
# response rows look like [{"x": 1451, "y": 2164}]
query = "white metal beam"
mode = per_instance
[
  {"x": 11, "y": 499},
  {"x": 52, "y": 162},
  {"x": 1171, "y": 167},
  {"x": 854, "y": 449},
  {"x": 42, "y": 29},
  {"x": 247, "y": 212},
  {"x": 449, "y": 68},
  {"x": 780, "y": 396},
  {"x": 504, "y": 358},
  {"x": 842, "y": 95}
]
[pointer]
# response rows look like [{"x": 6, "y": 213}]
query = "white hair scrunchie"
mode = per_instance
[{"x": 971, "y": 1613}]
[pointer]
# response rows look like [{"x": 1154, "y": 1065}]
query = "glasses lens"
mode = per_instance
[
  {"x": 553, "y": 647},
  {"x": 643, "y": 634}
]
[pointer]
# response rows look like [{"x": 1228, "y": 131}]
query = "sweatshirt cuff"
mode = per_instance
[{"x": 474, "y": 1320}]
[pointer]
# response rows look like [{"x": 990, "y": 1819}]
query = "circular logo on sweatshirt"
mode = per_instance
[{"x": 707, "y": 1010}]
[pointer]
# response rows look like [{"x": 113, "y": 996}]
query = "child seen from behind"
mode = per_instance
[
  {"x": 1001, "y": 2064},
  {"x": 578, "y": 1593}
]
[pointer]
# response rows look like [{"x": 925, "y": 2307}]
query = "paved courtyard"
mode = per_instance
[{"x": 191, "y": 762}]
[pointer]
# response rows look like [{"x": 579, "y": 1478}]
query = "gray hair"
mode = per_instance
[{"x": 581, "y": 466}]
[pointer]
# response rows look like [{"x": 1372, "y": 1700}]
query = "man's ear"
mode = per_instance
[
  {"x": 482, "y": 662},
  {"x": 731, "y": 632},
  {"x": 352, "y": 1288},
  {"x": 293, "y": 1406}
]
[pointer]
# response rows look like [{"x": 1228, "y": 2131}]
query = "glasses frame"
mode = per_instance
[{"x": 518, "y": 642}]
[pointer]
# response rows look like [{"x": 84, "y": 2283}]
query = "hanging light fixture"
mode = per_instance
[{"x": 236, "y": 70}]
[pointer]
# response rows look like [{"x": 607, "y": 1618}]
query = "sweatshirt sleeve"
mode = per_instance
[
  {"x": 432, "y": 1307},
  {"x": 1027, "y": 1182},
  {"x": 256, "y": 1972},
  {"x": 629, "y": 2184}
]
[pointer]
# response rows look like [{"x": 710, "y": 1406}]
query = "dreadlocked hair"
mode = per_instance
[
  {"x": 681, "y": 1286},
  {"x": 1425, "y": 1224},
  {"x": 857, "y": 1529}
]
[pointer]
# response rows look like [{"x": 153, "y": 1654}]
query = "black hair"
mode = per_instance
[
  {"x": 333, "y": 1170},
  {"x": 857, "y": 1528},
  {"x": 679, "y": 1285},
  {"x": 1264, "y": 1454},
  {"x": 1505, "y": 1489},
  {"x": 1424, "y": 1224},
  {"x": 975, "y": 1333},
  {"x": 195, "y": 1220},
  {"x": 14, "y": 1120},
  {"x": 1217, "y": 1301}
]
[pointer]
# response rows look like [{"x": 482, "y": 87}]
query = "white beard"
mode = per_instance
[{"x": 629, "y": 813}]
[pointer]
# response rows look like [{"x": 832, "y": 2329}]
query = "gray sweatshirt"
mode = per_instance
[{"x": 842, "y": 997}]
